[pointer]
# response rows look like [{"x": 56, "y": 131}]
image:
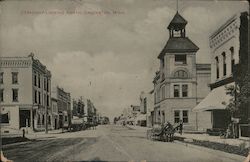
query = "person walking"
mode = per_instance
[{"x": 180, "y": 126}]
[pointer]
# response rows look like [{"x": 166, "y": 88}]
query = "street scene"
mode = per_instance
[
  {"x": 110, "y": 143},
  {"x": 125, "y": 80}
]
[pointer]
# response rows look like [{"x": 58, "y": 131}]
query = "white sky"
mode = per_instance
[{"x": 117, "y": 53}]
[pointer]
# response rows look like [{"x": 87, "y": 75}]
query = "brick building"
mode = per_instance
[
  {"x": 229, "y": 51},
  {"x": 25, "y": 93}
]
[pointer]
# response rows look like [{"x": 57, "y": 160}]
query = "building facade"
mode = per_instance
[
  {"x": 147, "y": 106},
  {"x": 55, "y": 115},
  {"x": 177, "y": 85},
  {"x": 63, "y": 105},
  {"x": 229, "y": 51},
  {"x": 25, "y": 93},
  {"x": 78, "y": 107}
]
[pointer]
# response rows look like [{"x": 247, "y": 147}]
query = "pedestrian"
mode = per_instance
[
  {"x": 23, "y": 133},
  {"x": 180, "y": 126}
]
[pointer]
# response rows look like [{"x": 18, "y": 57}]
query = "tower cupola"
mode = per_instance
[{"x": 177, "y": 26}]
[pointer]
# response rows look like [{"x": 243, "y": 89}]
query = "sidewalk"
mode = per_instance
[
  {"x": 236, "y": 146},
  {"x": 216, "y": 139}
]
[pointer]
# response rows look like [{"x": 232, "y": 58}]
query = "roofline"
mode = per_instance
[{"x": 224, "y": 25}]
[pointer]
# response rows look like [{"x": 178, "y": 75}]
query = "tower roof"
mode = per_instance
[
  {"x": 178, "y": 22},
  {"x": 178, "y": 44}
]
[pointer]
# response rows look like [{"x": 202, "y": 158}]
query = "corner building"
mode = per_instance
[
  {"x": 25, "y": 93},
  {"x": 181, "y": 83}
]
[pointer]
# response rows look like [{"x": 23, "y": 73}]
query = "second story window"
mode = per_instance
[
  {"x": 224, "y": 64},
  {"x": 1, "y": 95},
  {"x": 176, "y": 90},
  {"x": 217, "y": 67},
  {"x": 14, "y": 77},
  {"x": 184, "y": 90},
  {"x": 35, "y": 80},
  {"x": 181, "y": 74},
  {"x": 180, "y": 59},
  {"x": 39, "y": 97},
  {"x": 15, "y": 95},
  {"x": 1, "y": 78},
  {"x": 232, "y": 59},
  {"x": 39, "y": 81},
  {"x": 35, "y": 96},
  {"x": 47, "y": 100},
  {"x": 45, "y": 84}
]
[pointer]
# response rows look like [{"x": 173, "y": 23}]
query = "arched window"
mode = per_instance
[
  {"x": 217, "y": 67},
  {"x": 224, "y": 64},
  {"x": 180, "y": 74},
  {"x": 232, "y": 58}
]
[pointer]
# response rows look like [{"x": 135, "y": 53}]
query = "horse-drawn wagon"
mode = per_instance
[{"x": 163, "y": 133}]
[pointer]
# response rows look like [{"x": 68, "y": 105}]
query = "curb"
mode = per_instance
[{"x": 217, "y": 152}]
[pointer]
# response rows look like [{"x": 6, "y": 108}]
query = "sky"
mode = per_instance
[{"x": 106, "y": 50}]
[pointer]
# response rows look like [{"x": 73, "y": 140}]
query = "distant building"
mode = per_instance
[
  {"x": 91, "y": 111},
  {"x": 78, "y": 107},
  {"x": 55, "y": 115},
  {"x": 181, "y": 83},
  {"x": 64, "y": 106},
  {"x": 146, "y": 107},
  {"x": 229, "y": 49},
  {"x": 25, "y": 93}
]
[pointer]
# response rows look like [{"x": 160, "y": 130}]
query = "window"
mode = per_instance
[
  {"x": 217, "y": 67},
  {"x": 176, "y": 90},
  {"x": 232, "y": 59},
  {"x": 35, "y": 96},
  {"x": 181, "y": 115},
  {"x": 185, "y": 116},
  {"x": 39, "y": 97},
  {"x": 38, "y": 119},
  {"x": 181, "y": 74},
  {"x": 184, "y": 90},
  {"x": 177, "y": 116},
  {"x": 181, "y": 59},
  {"x": 47, "y": 100},
  {"x": 35, "y": 80},
  {"x": 15, "y": 95},
  {"x": 39, "y": 81},
  {"x": 66, "y": 118},
  {"x": 44, "y": 99},
  {"x": 155, "y": 96},
  {"x": 163, "y": 92},
  {"x": 45, "y": 84},
  {"x": 1, "y": 95},
  {"x": 43, "y": 120},
  {"x": 14, "y": 77},
  {"x": 1, "y": 78},
  {"x": 5, "y": 118},
  {"x": 224, "y": 64}
]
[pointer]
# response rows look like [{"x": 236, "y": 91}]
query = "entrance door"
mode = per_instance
[{"x": 24, "y": 116}]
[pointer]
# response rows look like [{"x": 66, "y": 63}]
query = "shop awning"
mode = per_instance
[{"x": 217, "y": 99}]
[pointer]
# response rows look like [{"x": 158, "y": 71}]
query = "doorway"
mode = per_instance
[{"x": 24, "y": 118}]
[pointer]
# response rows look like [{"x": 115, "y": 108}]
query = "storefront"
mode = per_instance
[{"x": 216, "y": 102}]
